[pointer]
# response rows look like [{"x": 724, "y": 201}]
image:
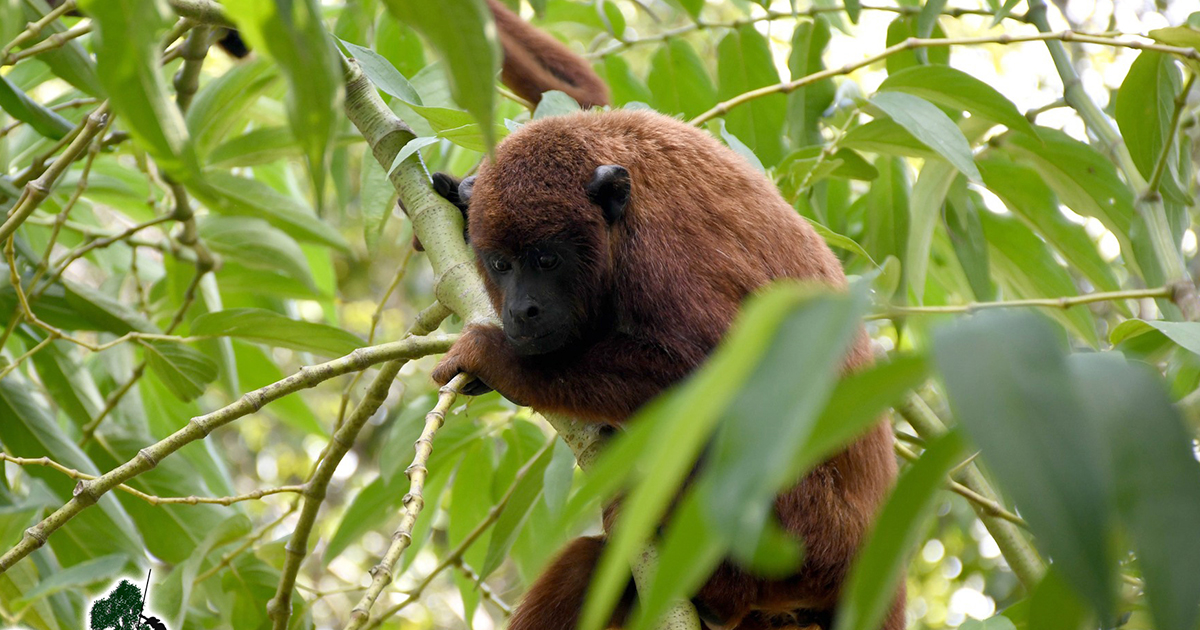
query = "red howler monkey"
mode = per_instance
[{"x": 617, "y": 248}]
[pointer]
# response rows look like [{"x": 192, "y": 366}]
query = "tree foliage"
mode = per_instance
[{"x": 193, "y": 242}]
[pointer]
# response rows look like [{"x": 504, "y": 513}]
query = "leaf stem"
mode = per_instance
[{"x": 1167, "y": 292}]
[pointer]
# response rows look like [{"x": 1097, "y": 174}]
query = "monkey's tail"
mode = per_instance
[{"x": 535, "y": 62}]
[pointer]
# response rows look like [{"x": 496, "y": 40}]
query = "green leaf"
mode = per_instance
[
  {"x": 1185, "y": 334},
  {"x": 519, "y": 507},
  {"x": 739, "y": 147},
  {"x": 82, "y": 575},
  {"x": 555, "y": 103},
  {"x": 871, "y": 585},
  {"x": 1026, "y": 268},
  {"x": 219, "y": 107},
  {"x": 806, "y": 105},
  {"x": 857, "y": 404},
  {"x": 999, "y": 622},
  {"x": 693, "y": 7},
  {"x": 956, "y": 89},
  {"x": 1021, "y": 408},
  {"x": 1054, "y": 606},
  {"x": 236, "y": 196},
  {"x": 20, "y": 106},
  {"x": 1145, "y": 107},
  {"x": 32, "y": 432},
  {"x": 1086, "y": 181},
  {"x": 925, "y": 208},
  {"x": 128, "y": 62},
  {"x": 884, "y": 135},
  {"x": 668, "y": 436},
  {"x": 462, "y": 33},
  {"x": 905, "y": 27},
  {"x": 1157, "y": 479},
  {"x": 291, "y": 33},
  {"x": 839, "y": 241},
  {"x": 255, "y": 244},
  {"x": 259, "y": 146},
  {"x": 383, "y": 74},
  {"x": 624, "y": 85},
  {"x": 185, "y": 371},
  {"x": 931, "y": 126},
  {"x": 744, "y": 63},
  {"x": 1024, "y": 192},
  {"x": 678, "y": 80},
  {"x": 886, "y": 215},
  {"x": 378, "y": 197},
  {"x": 400, "y": 45},
  {"x": 273, "y": 329},
  {"x": 369, "y": 509}
]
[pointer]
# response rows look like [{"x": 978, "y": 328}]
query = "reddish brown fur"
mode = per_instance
[
  {"x": 535, "y": 62},
  {"x": 703, "y": 231}
]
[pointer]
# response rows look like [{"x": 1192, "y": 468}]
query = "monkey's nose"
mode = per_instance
[{"x": 525, "y": 311}]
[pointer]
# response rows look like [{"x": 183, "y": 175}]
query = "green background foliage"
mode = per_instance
[{"x": 1011, "y": 187}]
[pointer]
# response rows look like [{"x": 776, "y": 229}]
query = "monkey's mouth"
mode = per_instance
[{"x": 535, "y": 344}]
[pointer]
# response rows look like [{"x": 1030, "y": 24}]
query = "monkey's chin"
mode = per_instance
[{"x": 537, "y": 345}]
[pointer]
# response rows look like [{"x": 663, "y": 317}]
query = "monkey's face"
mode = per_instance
[
  {"x": 542, "y": 309},
  {"x": 548, "y": 269}
]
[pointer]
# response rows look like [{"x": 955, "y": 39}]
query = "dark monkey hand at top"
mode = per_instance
[{"x": 617, "y": 248}]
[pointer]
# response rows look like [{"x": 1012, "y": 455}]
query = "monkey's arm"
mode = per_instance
[{"x": 606, "y": 383}]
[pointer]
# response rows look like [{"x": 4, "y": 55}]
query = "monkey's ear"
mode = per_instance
[{"x": 609, "y": 189}]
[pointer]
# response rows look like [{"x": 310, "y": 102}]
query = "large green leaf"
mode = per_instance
[
  {"x": 29, "y": 431},
  {"x": 806, "y": 105},
  {"x": 956, "y": 89},
  {"x": 1024, "y": 192},
  {"x": 1157, "y": 479},
  {"x": 678, "y": 80},
  {"x": 257, "y": 245},
  {"x": 184, "y": 370},
  {"x": 931, "y": 126},
  {"x": 744, "y": 63},
  {"x": 621, "y": 81},
  {"x": 20, "y": 106},
  {"x": 1145, "y": 105},
  {"x": 241, "y": 196},
  {"x": 291, "y": 33},
  {"x": 273, "y": 329},
  {"x": 669, "y": 434},
  {"x": 462, "y": 33},
  {"x": 220, "y": 106},
  {"x": 1021, "y": 408},
  {"x": 1024, "y": 266},
  {"x": 128, "y": 61},
  {"x": 871, "y": 585},
  {"x": 925, "y": 208}
]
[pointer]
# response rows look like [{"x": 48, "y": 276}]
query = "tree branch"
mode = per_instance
[
  {"x": 912, "y": 43},
  {"x": 86, "y": 493}
]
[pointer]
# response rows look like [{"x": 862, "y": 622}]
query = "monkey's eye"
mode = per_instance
[
  {"x": 547, "y": 261},
  {"x": 500, "y": 265}
]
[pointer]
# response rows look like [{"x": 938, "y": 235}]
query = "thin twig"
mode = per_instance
[
  {"x": 149, "y": 498},
  {"x": 912, "y": 43},
  {"x": 88, "y": 492},
  {"x": 361, "y": 613},
  {"x": 1062, "y": 303},
  {"x": 1160, "y": 165}
]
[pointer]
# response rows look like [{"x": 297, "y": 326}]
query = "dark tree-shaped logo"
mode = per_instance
[{"x": 122, "y": 610}]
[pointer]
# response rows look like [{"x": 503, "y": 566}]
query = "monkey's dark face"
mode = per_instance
[
  {"x": 542, "y": 310},
  {"x": 547, "y": 261}
]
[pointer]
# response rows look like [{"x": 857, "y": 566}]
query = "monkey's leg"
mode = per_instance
[{"x": 556, "y": 598}]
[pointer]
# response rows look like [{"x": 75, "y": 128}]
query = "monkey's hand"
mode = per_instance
[{"x": 475, "y": 353}]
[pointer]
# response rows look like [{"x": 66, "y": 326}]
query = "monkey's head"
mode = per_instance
[{"x": 542, "y": 216}]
